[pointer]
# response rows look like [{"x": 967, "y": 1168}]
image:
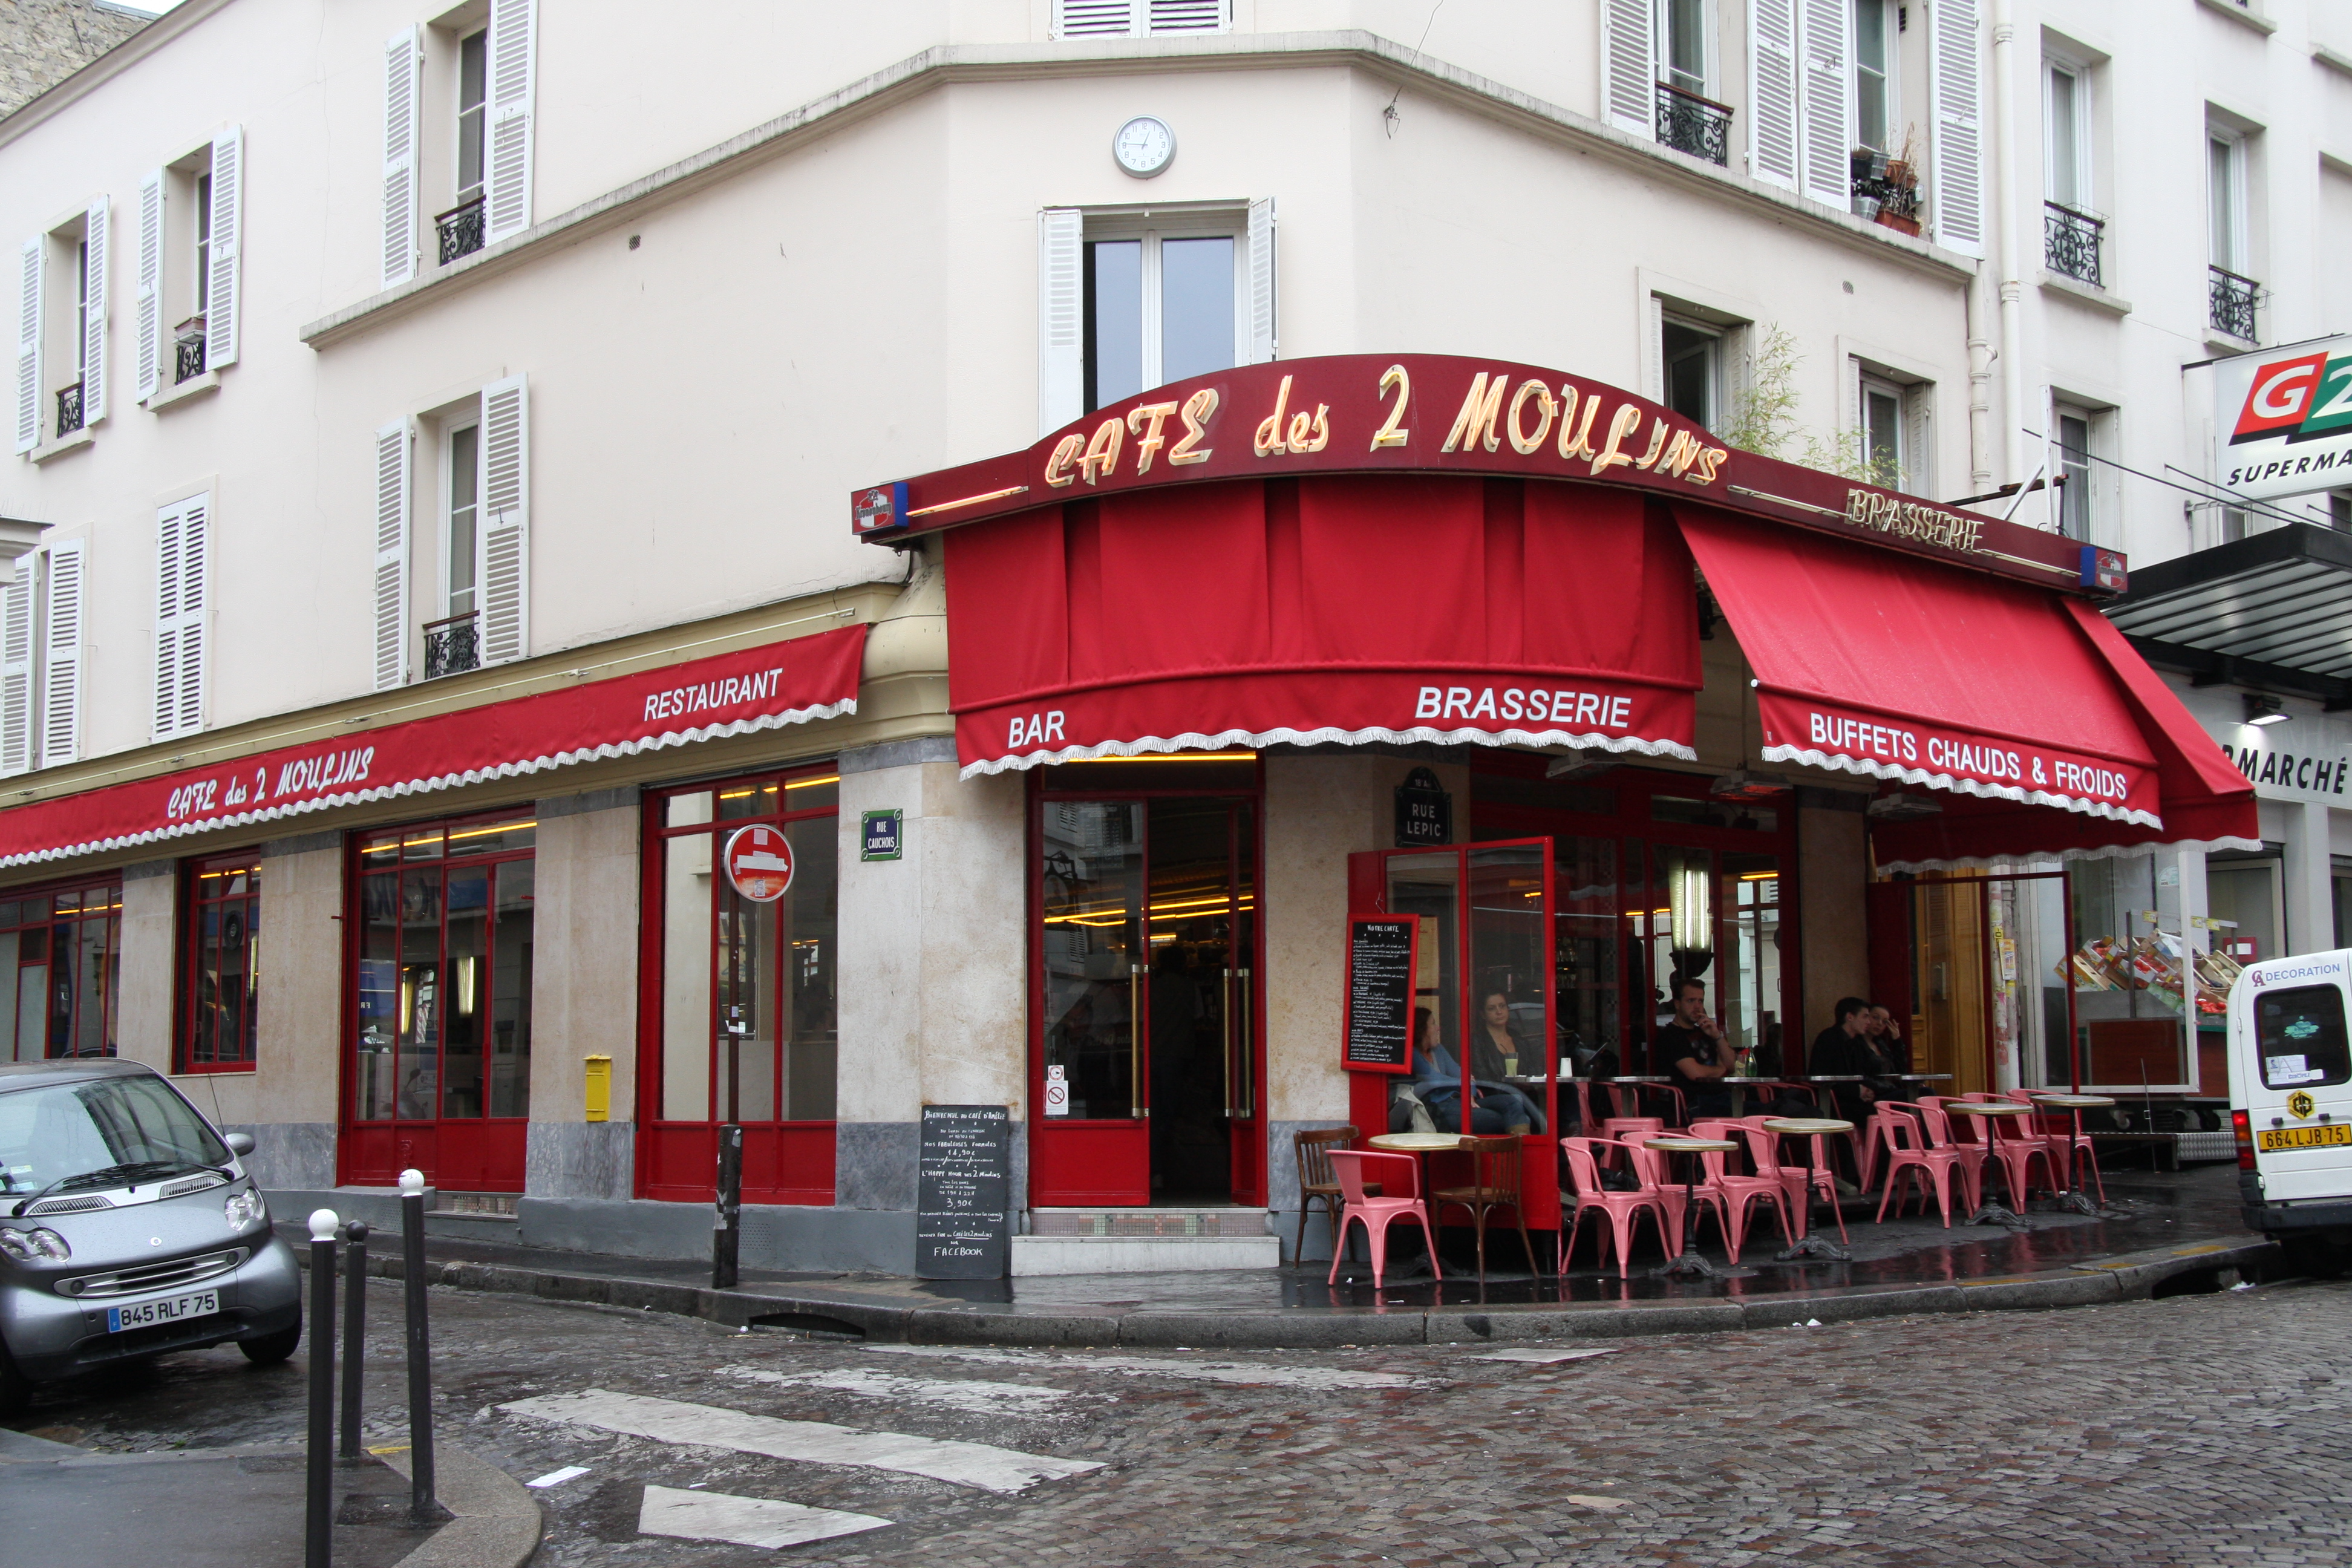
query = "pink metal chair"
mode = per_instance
[
  {"x": 1652, "y": 1169},
  {"x": 1802, "y": 1184},
  {"x": 1622, "y": 1209},
  {"x": 1736, "y": 1194},
  {"x": 1397, "y": 1175},
  {"x": 2071, "y": 1152},
  {"x": 1615, "y": 1130},
  {"x": 1909, "y": 1158},
  {"x": 2016, "y": 1147},
  {"x": 1965, "y": 1134}
]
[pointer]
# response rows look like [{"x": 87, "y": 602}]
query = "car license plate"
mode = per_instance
[
  {"x": 171, "y": 1309},
  {"x": 2278, "y": 1139}
]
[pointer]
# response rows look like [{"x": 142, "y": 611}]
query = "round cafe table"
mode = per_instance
[
  {"x": 2075, "y": 1198},
  {"x": 1690, "y": 1262},
  {"x": 1814, "y": 1129},
  {"x": 1990, "y": 1214}
]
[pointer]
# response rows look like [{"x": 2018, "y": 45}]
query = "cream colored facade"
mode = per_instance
[{"x": 796, "y": 248}]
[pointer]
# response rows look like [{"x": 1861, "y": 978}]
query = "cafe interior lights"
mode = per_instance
[{"x": 1691, "y": 925}]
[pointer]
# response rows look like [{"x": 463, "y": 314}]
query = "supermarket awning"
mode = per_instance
[
  {"x": 2023, "y": 702},
  {"x": 2274, "y": 610},
  {"x": 1329, "y": 608}
]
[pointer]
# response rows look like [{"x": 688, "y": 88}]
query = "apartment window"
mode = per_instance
[
  {"x": 1139, "y": 18},
  {"x": 1688, "y": 121},
  {"x": 190, "y": 241},
  {"x": 1873, "y": 74},
  {"x": 60, "y": 971},
  {"x": 1691, "y": 368},
  {"x": 460, "y": 231},
  {"x": 451, "y": 643},
  {"x": 1159, "y": 308},
  {"x": 2076, "y": 510},
  {"x": 61, "y": 330},
  {"x": 2071, "y": 233},
  {"x": 1886, "y": 442},
  {"x": 469, "y": 574},
  {"x": 220, "y": 964},
  {"x": 40, "y": 659},
  {"x": 2232, "y": 295}
]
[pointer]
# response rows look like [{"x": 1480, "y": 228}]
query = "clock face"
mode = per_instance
[{"x": 1144, "y": 146}]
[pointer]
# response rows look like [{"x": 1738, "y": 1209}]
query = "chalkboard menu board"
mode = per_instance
[
  {"x": 1379, "y": 993},
  {"x": 964, "y": 1194}
]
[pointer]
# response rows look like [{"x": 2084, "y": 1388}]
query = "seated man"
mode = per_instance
[
  {"x": 1844, "y": 1048},
  {"x": 1696, "y": 1051}
]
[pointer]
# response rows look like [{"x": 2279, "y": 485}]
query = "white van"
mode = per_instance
[{"x": 2291, "y": 1104}]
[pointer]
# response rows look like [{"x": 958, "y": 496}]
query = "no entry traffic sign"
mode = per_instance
[{"x": 760, "y": 862}]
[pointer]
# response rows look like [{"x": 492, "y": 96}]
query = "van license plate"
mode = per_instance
[
  {"x": 2335, "y": 1136},
  {"x": 171, "y": 1309}
]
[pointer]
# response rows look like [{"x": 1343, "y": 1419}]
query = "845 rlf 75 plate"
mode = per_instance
[
  {"x": 170, "y": 1309},
  {"x": 2278, "y": 1139}
]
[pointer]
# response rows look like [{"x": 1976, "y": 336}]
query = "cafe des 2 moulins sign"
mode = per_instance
[{"x": 1442, "y": 413}]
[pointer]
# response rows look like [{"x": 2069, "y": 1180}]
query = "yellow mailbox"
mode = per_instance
[{"x": 600, "y": 1089}]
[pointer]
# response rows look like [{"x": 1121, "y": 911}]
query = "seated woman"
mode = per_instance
[
  {"x": 1437, "y": 1079},
  {"x": 1496, "y": 1050}
]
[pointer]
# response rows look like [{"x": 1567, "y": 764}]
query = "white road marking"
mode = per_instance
[
  {"x": 557, "y": 1478},
  {"x": 1239, "y": 1372},
  {"x": 746, "y": 1520},
  {"x": 974, "y": 1395},
  {"x": 1540, "y": 1357},
  {"x": 810, "y": 1442}
]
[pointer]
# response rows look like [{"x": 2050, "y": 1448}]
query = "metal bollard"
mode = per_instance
[
  {"x": 319, "y": 1520},
  {"x": 727, "y": 1233},
  {"x": 355, "y": 1237},
  {"x": 421, "y": 1503}
]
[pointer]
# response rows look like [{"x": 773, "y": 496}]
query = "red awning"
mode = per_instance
[
  {"x": 1326, "y": 608},
  {"x": 1928, "y": 675},
  {"x": 763, "y": 688}
]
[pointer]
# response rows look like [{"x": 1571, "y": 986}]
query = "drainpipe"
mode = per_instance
[{"x": 2012, "y": 329}]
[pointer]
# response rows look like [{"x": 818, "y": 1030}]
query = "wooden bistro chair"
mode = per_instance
[
  {"x": 1319, "y": 1183},
  {"x": 1494, "y": 1183}
]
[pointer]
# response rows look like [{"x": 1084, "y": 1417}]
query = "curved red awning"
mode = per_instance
[
  {"x": 1926, "y": 675},
  {"x": 1324, "y": 608}
]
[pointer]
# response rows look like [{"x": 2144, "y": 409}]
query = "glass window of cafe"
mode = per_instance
[
  {"x": 443, "y": 937},
  {"x": 61, "y": 990},
  {"x": 744, "y": 983},
  {"x": 220, "y": 964}
]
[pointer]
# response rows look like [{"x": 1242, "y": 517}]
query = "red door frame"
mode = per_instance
[
  {"x": 473, "y": 1153},
  {"x": 789, "y": 1162},
  {"x": 1116, "y": 1153}
]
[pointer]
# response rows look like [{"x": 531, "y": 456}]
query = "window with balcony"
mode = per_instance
[
  {"x": 459, "y": 230},
  {"x": 2233, "y": 296},
  {"x": 1689, "y": 120},
  {"x": 187, "y": 266},
  {"x": 2070, "y": 230},
  {"x": 463, "y": 588},
  {"x": 1875, "y": 31},
  {"x": 61, "y": 331},
  {"x": 451, "y": 645},
  {"x": 459, "y": 104}
]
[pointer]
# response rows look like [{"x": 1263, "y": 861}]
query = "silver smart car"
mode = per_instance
[{"x": 128, "y": 1228}]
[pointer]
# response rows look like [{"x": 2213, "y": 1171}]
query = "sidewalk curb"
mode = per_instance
[
  {"x": 2120, "y": 1277},
  {"x": 496, "y": 1521}
]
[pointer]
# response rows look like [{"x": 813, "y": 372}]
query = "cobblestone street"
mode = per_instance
[{"x": 2191, "y": 1430}]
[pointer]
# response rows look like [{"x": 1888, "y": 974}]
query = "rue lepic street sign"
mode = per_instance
[
  {"x": 758, "y": 862},
  {"x": 2283, "y": 419}
]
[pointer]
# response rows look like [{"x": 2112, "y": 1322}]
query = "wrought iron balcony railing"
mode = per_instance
[
  {"x": 453, "y": 645},
  {"x": 2069, "y": 242},
  {"x": 188, "y": 351},
  {"x": 2233, "y": 300},
  {"x": 1698, "y": 126},
  {"x": 68, "y": 409},
  {"x": 460, "y": 230}
]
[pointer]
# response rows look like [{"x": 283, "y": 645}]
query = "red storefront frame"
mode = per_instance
[
  {"x": 222, "y": 889},
  {"x": 785, "y": 1162}
]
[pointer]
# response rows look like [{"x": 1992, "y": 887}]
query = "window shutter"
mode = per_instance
[
  {"x": 1825, "y": 124},
  {"x": 151, "y": 284},
  {"x": 94, "y": 237},
  {"x": 1262, "y": 339},
  {"x": 514, "y": 24},
  {"x": 391, "y": 449},
  {"x": 1095, "y": 19},
  {"x": 1772, "y": 111},
  {"x": 1629, "y": 65},
  {"x": 168, "y": 546},
  {"x": 183, "y": 603},
  {"x": 403, "y": 80},
  {"x": 505, "y": 534},
  {"x": 61, "y": 671},
  {"x": 28, "y": 348},
  {"x": 1954, "y": 84},
  {"x": 1061, "y": 310},
  {"x": 17, "y": 670},
  {"x": 1186, "y": 16},
  {"x": 224, "y": 304}
]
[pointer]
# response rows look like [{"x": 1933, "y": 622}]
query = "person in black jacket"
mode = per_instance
[{"x": 1844, "y": 1049}]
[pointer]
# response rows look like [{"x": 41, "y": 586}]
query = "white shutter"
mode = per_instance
[
  {"x": 1629, "y": 65},
  {"x": 1262, "y": 339},
  {"x": 1061, "y": 310},
  {"x": 17, "y": 670},
  {"x": 1825, "y": 123},
  {"x": 150, "y": 306},
  {"x": 28, "y": 348},
  {"x": 514, "y": 24},
  {"x": 223, "y": 303},
  {"x": 391, "y": 449},
  {"x": 182, "y": 532},
  {"x": 1095, "y": 19},
  {"x": 504, "y": 552},
  {"x": 1773, "y": 92},
  {"x": 1954, "y": 84},
  {"x": 403, "y": 82},
  {"x": 94, "y": 237},
  {"x": 1186, "y": 16},
  {"x": 61, "y": 661}
]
